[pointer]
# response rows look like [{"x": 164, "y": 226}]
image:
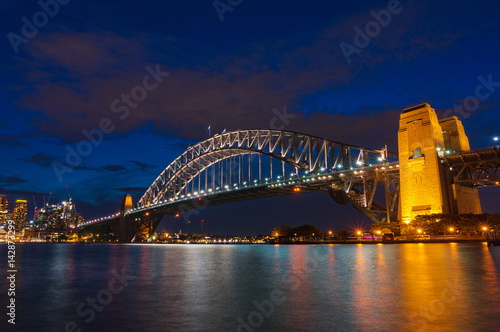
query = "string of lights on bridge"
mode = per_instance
[
  {"x": 89, "y": 222},
  {"x": 293, "y": 180},
  {"x": 280, "y": 181}
]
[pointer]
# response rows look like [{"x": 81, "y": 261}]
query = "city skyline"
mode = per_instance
[{"x": 300, "y": 67}]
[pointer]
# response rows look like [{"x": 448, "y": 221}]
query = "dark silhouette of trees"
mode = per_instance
[
  {"x": 343, "y": 234},
  {"x": 282, "y": 230},
  {"x": 303, "y": 232},
  {"x": 466, "y": 224}
]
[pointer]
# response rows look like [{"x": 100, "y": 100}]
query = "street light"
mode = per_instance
[{"x": 419, "y": 231}]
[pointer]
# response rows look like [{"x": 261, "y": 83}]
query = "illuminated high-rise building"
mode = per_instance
[
  {"x": 4, "y": 208},
  {"x": 20, "y": 212},
  {"x": 57, "y": 216}
]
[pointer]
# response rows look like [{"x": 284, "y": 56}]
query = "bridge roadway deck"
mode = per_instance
[
  {"x": 478, "y": 155},
  {"x": 318, "y": 182},
  {"x": 477, "y": 168}
]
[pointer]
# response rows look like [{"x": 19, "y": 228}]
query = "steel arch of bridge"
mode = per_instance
[{"x": 222, "y": 154}]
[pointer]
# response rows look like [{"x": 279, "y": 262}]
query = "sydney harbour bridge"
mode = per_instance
[{"x": 434, "y": 172}]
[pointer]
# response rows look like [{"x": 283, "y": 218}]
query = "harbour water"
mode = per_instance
[{"x": 399, "y": 287}]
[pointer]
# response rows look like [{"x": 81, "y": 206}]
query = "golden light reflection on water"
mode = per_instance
[
  {"x": 436, "y": 285},
  {"x": 491, "y": 283},
  {"x": 371, "y": 285},
  {"x": 299, "y": 285}
]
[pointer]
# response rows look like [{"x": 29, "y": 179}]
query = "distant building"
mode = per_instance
[
  {"x": 58, "y": 217},
  {"x": 4, "y": 208},
  {"x": 3, "y": 235},
  {"x": 20, "y": 212}
]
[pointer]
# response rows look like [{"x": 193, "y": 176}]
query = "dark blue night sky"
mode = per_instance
[{"x": 264, "y": 55}]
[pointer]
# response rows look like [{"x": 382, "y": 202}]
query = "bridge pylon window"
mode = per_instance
[{"x": 417, "y": 153}]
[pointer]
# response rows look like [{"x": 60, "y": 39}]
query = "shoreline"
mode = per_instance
[
  {"x": 391, "y": 242},
  {"x": 282, "y": 243}
]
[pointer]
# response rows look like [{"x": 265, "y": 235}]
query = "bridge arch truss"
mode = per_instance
[{"x": 246, "y": 158}]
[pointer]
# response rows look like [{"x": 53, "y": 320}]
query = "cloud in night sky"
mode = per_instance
[
  {"x": 234, "y": 92},
  {"x": 113, "y": 168},
  {"x": 132, "y": 189},
  {"x": 41, "y": 159},
  {"x": 8, "y": 180},
  {"x": 142, "y": 166}
]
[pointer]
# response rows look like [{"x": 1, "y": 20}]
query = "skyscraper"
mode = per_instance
[
  {"x": 20, "y": 212},
  {"x": 4, "y": 208}
]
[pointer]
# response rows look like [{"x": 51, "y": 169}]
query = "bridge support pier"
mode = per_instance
[
  {"x": 136, "y": 229},
  {"x": 125, "y": 225},
  {"x": 146, "y": 227},
  {"x": 360, "y": 190},
  {"x": 426, "y": 182}
]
